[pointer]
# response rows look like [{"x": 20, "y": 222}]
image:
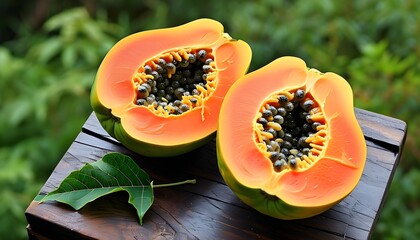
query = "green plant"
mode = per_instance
[
  {"x": 407, "y": 215},
  {"x": 44, "y": 87},
  {"x": 390, "y": 86},
  {"x": 46, "y": 103}
]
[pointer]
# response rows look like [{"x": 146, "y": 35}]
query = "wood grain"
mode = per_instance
[{"x": 208, "y": 209}]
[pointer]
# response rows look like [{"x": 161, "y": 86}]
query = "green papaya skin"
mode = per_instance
[
  {"x": 162, "y": 128},
  {"x": 113, "y": 126},
  {"x": 263, "y": 202},
  {"x": 310, "y": 170}
]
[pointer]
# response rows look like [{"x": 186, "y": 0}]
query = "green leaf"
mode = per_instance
[
  {"x": 47, "y": 50},
  {"x": 69, "y": 56},
  {"x": 114, "y": 172},
  {"x": 66, "y": 18}
]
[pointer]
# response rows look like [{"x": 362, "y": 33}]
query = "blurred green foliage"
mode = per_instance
[{"x": 49, "y": 53}]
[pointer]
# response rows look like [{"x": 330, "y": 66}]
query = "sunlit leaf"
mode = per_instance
[
  {"x": 92, "y": 30},
  {"x": 69, "y": 56},
  {"x": 90, "y": 54},
  {"x": 19, "y": 110},
  {"x": 47, "y": 50},
  {"x": 60, "y": 20}
]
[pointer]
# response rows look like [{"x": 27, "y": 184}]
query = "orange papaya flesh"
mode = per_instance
[
  {"x": 321, "y": 177},
  {"x": 155, "y": 129}
]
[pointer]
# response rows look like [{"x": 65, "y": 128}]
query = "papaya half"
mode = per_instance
[
  {"x": 159, "y": 92},
  {"x": 288, "y": 142}
]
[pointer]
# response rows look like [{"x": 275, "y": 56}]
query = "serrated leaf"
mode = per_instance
[{"x": 114, "y": 172}]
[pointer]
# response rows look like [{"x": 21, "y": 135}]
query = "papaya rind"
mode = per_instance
[
  {"x": 113, "y": 127},
  {"x": 113, "y": 117},
  {"x": 260, "y": 201},
  {"x": 264, "y": 191}
]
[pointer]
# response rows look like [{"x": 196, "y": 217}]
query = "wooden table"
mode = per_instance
[{"x": 208, "y": 209}]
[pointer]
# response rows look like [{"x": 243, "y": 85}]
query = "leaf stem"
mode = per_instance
[{"x": 191, "y": 181}]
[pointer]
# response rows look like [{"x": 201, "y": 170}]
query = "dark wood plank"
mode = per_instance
[
  {"x": 381, "y": 129},
  {"x": 208, "y": 209}
]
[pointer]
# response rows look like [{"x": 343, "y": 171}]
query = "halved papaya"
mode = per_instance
[
  {"x": 159, "y": 92},
  {"x": 288, "y": 142}
]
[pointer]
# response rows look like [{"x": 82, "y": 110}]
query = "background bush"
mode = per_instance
[{"x": 50, "y": 51}]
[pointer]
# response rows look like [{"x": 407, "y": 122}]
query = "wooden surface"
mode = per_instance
[{"x": 208, "y": 209}]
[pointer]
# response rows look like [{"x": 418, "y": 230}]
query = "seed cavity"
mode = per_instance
[
  {"x": 290, "y": 130},
  {"x": 176, "y": 82}
]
